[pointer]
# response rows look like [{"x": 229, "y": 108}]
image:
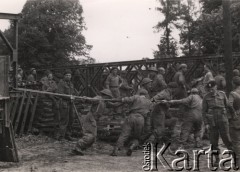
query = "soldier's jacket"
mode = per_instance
[
  {"x": 220, "y": 81},
  {"x": 193, "y": 104},
  {"x": 213, "y": 104},
  {"x": 179, "y": 78},
  {"x": 138, "y": 104},
  {"x": 113, "y": 81},
  {"x": 89, "y": 124},
  {"x": 143, "y": 90},
  {"x": 125, "y": 89},
  {"x": 207, "y": 77},
  {"x": 234, "y": 101},
  {"x": 163, "y": 95},
  {"x": 50, "y": 86},
  {"x": 158, "y": 83},
  {"x": 66, "y": 88},
  {"x": 30, "y": 78}
]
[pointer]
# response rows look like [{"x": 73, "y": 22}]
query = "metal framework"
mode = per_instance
[{"x": 89, "y": 79}]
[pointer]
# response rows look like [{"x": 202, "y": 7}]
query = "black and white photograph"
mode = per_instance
[{"x": 119, "y": 85}]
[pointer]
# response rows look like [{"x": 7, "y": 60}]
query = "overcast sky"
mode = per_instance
[{"x": 119, "y": 30}]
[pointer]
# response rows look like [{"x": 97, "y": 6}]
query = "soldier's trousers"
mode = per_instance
[
  {"x": 235, "y": 136},
  {"x": 158, "y": 121},
  {"x": 188, "y": 126},
  {"x": 132, "y": 129},
  {"x": 85, "y": 141},
  {"x": 65, "y": 119},
  {"x": 115, "y": 92},
  {"x": 220, "y": 126}
]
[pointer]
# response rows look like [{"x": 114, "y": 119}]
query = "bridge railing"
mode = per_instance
[{"x": 89, "y": 79}]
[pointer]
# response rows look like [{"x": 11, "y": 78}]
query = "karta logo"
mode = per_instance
[{"x": 153, "y": 157}]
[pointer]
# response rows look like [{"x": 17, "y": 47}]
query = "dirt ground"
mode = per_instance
[{"x": 44, "y": 154}]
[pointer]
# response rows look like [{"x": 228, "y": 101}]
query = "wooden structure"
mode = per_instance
[
  {"x": 90, "y": 79},
  {"x": 12, "y": 48},
  {"x": 8, "y": 150}
]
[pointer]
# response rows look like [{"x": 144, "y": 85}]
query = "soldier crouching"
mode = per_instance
[{"x": 89, "y": 124}]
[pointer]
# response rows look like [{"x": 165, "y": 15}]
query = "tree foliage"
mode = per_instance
[
  {"x": 50, "y": 33},
  {"x": 170, "y": 10},
  {"x": 201, "y": 30}
]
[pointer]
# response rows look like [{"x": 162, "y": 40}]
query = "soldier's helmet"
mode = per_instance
[
  {"x": 211, "y": 84},
  {"x": 236, "y": 72},
  {"x": 67, "y": 71},
  {"x": 194, "y": 91},
  {"x": 114, "y": 67},
  {"x": 154, "y": 69},
  {"x": 107, "y": 92},
  {"x": 236, "y": 80},
  {"x": 145, "y": 81},
  {"x": 161, "y": 69},
  {"x": 183, "y": 65},
  {"x": 143, "y": 92}
]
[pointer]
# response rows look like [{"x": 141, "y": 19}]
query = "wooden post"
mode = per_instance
[
  {"x": 8, "y": 150},
  {"x": 228, "y": 43}
]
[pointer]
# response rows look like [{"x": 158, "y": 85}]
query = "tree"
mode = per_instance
[
  {"x": 207, "y": 30},
  {"x": 162, "y": 47},
  {"x": 170, "y": 10},
  {"x": 209, "y": 6},
  {"x": 188, "y": 15},
  {"x": 50, "y": 33}
]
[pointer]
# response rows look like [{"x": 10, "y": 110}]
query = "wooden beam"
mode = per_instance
[{"x": 9, "y": 16}]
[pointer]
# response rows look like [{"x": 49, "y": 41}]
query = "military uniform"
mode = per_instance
[
  {"x": 179, "y": 78},
  {"x": 66, "y": 109},
  {"x": 221, "y": 82},
  {"x": 214, "y": 111},
  {"x": 234, "y": 101},
  {"x": 158, "y": 84},
  {"x": 89, "y": 125},
  {"x": 192, "y": 118},
  {"x": 50, "y": 86},
  {"x": 159, "y": 114},
  {"x": 125, "y": 89},
  {"x": 134, "y": 124},
  {"x": 113, "y": 83}
]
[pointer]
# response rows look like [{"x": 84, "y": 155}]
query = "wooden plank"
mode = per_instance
[
  {"x": 19, "y": 112},
  {"x": 33, "y": 110},
  {"x": 25, "y": 113},
  {"x": 13, "y": 111}
]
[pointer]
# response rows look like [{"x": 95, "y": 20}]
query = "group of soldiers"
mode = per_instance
[{"x": 205, "y": 107}]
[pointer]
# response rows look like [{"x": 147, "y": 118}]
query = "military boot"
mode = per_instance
[
  {"x": 114, "y": 152},
  {"x": 130, "y": 150},
  {"x": 216, "y": 162},
  {"x": 77, "y": 151}
]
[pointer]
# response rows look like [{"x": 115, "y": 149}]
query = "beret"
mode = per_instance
[{"x": 211, "y": 84}]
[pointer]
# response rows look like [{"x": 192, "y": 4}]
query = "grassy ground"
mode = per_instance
[{"x": 43, "y": 154}]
